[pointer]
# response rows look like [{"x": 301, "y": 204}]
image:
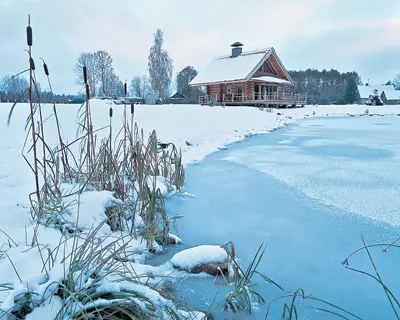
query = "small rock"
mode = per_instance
[{"x": 207, "y": 258}]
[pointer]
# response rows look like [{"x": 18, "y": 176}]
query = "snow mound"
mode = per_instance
[{"x": 190, "y": 258}]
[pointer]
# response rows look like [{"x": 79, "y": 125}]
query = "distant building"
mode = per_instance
[
  {"x": 387, "y": 93},
  {"x": 177, "y": 98},
  {"x": 390, "y": 95},
  {"x": 247, "y": 78},
  {"x": 150, "y": 98}
]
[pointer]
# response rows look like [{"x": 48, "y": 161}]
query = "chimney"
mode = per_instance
[{"x": 236, "y": 49}]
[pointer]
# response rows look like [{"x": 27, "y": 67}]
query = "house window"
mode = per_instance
[{"x": 239, "y": 90}]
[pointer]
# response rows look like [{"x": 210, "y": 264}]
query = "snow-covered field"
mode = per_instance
[{"x": 197, "y": 130}]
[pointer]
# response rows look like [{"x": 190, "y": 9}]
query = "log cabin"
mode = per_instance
[{"x": 256, "y": 78}]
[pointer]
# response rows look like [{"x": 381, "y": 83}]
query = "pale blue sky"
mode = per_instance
[{"x": 360, "y": 35}]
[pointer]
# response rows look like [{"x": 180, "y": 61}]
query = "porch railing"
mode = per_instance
[{"x": 275, "y": 98}]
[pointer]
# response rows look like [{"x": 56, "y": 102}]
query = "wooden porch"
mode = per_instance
[{"x": 266, "y": 99}]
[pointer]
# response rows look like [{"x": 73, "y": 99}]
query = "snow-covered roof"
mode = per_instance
[
  {"x": 390, "y": 92},
  {"x": 227, "y": 68},
  {"x": 365, "y": 91},
  {"x": 270, "y": 79}
]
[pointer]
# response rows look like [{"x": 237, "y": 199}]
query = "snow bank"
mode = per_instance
[
  {"x": 196, "y": 130},
  {"x": 190, "y": 258}
]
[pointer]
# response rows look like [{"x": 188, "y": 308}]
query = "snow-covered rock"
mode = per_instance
[{"x": 208, "y": 258}]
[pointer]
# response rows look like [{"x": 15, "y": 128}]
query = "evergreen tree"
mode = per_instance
[
  {"x": 351, "y": 93},
  {"x": 322, "y": 87},
  {"x": 183, "y": 79}
]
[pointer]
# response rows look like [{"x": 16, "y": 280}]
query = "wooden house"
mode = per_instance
[{"x": 247, "y": 78}]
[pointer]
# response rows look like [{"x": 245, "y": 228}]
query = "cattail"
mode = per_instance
[
  {"x": 31, "y": 63},
  {"x": 46, "y": 69},
  {"x": 111, "y": 112},
  {"x": 132, "y": 108},
  {"x": 84, "y": 74},
  {"x": 87, "y": 92},
  {"x": 29, "y": 36},
  {"x": 125, "y": 88}
]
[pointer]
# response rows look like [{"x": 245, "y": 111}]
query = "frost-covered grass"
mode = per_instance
[{"x": 95, "y": 210}]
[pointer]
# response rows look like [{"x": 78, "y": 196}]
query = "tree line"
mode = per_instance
[
  {"x": 15, "y": 89},
  {"x": 325, "y": 87}
]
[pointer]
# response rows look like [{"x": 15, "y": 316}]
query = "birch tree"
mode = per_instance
[{"x": 160, "y": 66}]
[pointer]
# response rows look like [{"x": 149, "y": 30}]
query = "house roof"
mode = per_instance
[
  {"x": 365, "y": 91},
  {"x": 231, "y": 69},
  {"x": 178, "y": 95},
  {"x": 390, "y": 92}
]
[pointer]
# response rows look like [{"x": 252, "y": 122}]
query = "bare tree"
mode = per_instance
[
  {"x": 114, "y": 85},
  {"x": 139, "y": 86},
  {"x": 102, "y": 79},
  {"x": 89, "y": 60},
  {"x": 104, "y": 70},
  {"x": 13, "y": 88},
  {"x": 160, "y": 66}
]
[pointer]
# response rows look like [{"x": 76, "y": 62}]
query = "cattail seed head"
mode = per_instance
[
  {"x": 111, "y": 112},
  {"x": 31, "y": 64},
  {"x": 125, "y": 88},
  {"x": 132, "y": 108},
  {"x": 46, "y": 69},
  {"x": 87, "y": 92},
  {"x": 29, "y": 36},
  {"x": 84, "y": 74}
]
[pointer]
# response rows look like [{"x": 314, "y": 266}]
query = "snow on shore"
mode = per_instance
[{"x": 197, "y": 130}]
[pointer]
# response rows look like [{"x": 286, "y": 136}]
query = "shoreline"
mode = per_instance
[{"x": 198, "y": 131}]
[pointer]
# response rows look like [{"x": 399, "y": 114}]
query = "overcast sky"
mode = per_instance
[{"x": 360, "y": 35}]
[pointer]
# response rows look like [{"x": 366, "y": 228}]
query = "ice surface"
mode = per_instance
[{"x": 351, "y": 164}]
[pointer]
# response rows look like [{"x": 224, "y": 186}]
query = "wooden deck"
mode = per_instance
[{"x": 274, "y": 99}]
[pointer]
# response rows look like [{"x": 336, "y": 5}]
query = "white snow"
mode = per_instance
[
  {"x": 189, "y": 258},
  {"x": 270, "y": 79},
  {"x": 230, "y": 69},
  {"x": 389, "y": 90},
  {"x": 391, "y": 93},
  {"x": 206, "y": 128}
]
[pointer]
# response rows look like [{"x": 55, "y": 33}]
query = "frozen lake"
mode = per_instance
[{"x": 308, "y": 191}]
